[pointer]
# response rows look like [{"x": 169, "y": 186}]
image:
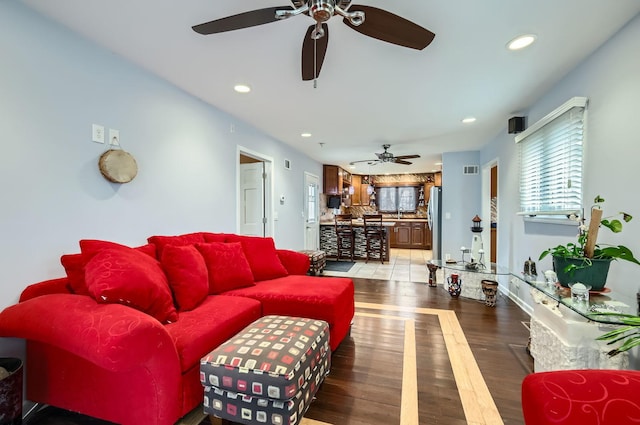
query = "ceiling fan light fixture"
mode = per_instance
[
  {"x": 521, "y": 42},
  {"x": 321, "y": 10},
  {"x": 242, "y": 88}
]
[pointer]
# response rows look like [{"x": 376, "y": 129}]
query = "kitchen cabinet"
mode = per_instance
[
  {"x": 336, "y": 181},
  {"x": 410, "y": 234},
  {"x": 356, "y": 183}
]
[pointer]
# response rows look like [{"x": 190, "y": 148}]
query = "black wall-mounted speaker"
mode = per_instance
[{"x": 516, "y": 125}]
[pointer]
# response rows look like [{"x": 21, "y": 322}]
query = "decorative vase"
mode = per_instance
[
  {"x": 454, "y": 286},
  {"x": 490, "y": 290},
  {"x": 594, "y": 275},
  {"x": 432, "y": 274}
]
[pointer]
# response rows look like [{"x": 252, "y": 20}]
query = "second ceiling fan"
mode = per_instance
[
  {"x": 367, "y": 20},
  {"x": 388, "y": 157}
]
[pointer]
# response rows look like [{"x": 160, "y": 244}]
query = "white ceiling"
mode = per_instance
[{"x": 369, "y": 92}]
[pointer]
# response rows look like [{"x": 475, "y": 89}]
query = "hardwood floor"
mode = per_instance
[{"x": 414, "y": 356}]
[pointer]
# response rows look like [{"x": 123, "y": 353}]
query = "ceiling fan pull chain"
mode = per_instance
[{"x": 315, "y": 63}]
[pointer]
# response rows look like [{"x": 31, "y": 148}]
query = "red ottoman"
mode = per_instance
[{"x": 268, "y": 373}]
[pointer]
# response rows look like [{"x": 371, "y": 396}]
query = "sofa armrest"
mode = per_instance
[
  {"x": 113, "y": 336},
  {"x": 576, "y": 397},
  {"x": 295, "y": 262},
  {"x": 53, "y": 286}
]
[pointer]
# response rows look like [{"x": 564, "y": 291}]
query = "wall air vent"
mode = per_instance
[{"x": 470, "y": 169}]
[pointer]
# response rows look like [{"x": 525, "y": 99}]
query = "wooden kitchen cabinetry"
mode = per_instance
[
  {"x": 410, "y": 234},
  {"x": 335, "y": 180}
]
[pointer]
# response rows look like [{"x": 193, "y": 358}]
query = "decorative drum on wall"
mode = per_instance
[{"x": 118, "y": 166}]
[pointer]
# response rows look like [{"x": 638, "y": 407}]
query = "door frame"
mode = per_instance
[
  {"x": 486, "y": 209},
  {"x": 268, "y": 188},
  {"x": 317, "y": 211}
]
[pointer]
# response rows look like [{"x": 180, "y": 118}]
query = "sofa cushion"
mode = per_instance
[
  {"x": 129, "y": 277},
  {"x": 325, "y": 298},
  {"x": 216, "y": 320},
  {"x": 227, "y": 266},
  {"x": 262, "y": 256},
  {"x": 187, "y": 275},
  {"x": 74, "y": 264},
  {"x": 187, "y": 239},
  {"x": 215, "y": 237}
]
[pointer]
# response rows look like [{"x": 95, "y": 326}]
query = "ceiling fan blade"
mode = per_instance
[
  {"x": 399, "y": 161},
  {"x": 407, "y": 156},
  {"x": 391, "y": 28},
  {"x": 363, "y": 160},
  {"x": 313, "y": 52},
  {"x": 239, "y": 21}
]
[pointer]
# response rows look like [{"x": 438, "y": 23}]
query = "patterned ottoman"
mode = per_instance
[
  {"x": 268, "y": 373},
  {"x": 317, "y": 259}
]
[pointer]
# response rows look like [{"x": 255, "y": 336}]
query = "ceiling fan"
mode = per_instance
[
  {"x": 388, "y": 157},
  {"x": 367, "y": 20}
]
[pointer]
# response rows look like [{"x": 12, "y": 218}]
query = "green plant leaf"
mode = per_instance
[
  {"x": 598, "y": 199},
  {"x": 626, "y": 217},
  {"x": 614, "y": 225}
]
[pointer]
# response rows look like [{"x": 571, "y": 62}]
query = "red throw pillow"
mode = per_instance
[
  {"x": 187, "y": 273},
  {"x": 214, "y": 237},
  {"x": 187, "y": 239},
  {"x": 74, "y": 263},
  {"x": 262, "y": 256},
  {"x": 227, "y": 266},
  {"x": 129, "y": 277}
]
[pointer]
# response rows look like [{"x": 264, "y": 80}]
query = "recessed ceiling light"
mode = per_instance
[
  {"x": 305, "y": 135},
  {"x": 242, "y": 88},
  {"x": 521, "y": 42},
  {"x": 469, "y": 120}
]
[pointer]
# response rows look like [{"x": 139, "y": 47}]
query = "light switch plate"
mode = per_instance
[
  {"x": 97, "y": 133},
  {"x": 114, "y": 137}
]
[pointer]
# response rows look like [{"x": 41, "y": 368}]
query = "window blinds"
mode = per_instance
[{"x": 551, "y": 161}]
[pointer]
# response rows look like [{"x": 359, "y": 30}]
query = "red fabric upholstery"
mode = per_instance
[
  {"x": 262, "y": 256},
  {"x": 325, "y": 298},
  {"x": 224, "y": 317},
  {"x": 116, "y": 363},
  {"x": 294, "y": 262},
  {"x": 74, "y": 263},
  {"x": 187, "y": 274},
  {"x": 227, "y": 266},
  {"x": 131, "y": 278},
  {"x": 53, "y": 286},
  {"x": 581, "y": 397},
  {"x": 187, "y": 239}
]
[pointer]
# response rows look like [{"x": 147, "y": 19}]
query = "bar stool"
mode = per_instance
[
  {"x": 344, "y": 234},
  {"x": 374, "y": 235}
]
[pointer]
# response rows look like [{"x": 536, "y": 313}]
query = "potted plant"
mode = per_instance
[
  {"x": 586, "y": 261},
  {"x": 629, "y": 333}
]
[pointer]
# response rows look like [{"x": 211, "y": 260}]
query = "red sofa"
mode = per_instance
[
  {"x": 121, "y": 336},
  {"x": 582, "y": 397}
]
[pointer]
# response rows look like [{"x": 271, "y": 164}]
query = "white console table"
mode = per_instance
[{"x": 562, "y": 335}]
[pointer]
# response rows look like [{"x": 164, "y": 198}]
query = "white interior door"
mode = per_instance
[
  {"x": 311, "y": 212},
  {"x": 252, "y": 205}
]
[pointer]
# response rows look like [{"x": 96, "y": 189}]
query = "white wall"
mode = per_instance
[
  {"x": 53, "y": 86},
  {"x": 461, "y": 194},
  {"x": 610, "y": 78}
]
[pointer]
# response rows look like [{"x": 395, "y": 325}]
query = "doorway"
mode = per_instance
[
  {"x": 490, "y": 208},
  {"x": 254, "y": 188},
  {"x": 311, "y": 212}
]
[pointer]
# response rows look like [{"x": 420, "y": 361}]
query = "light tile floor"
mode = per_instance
[{"x": 409, "y": 265}]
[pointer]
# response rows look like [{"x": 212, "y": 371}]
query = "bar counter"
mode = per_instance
[{"x": 329, "y": 243}]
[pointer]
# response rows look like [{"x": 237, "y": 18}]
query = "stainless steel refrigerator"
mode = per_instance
[{"x": 434, "y": 216}]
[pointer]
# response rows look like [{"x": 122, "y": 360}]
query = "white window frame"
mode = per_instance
[{"x": 548, "y": 142}]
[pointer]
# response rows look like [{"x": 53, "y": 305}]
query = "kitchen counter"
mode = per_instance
[{"x": 329, "y": 243}]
